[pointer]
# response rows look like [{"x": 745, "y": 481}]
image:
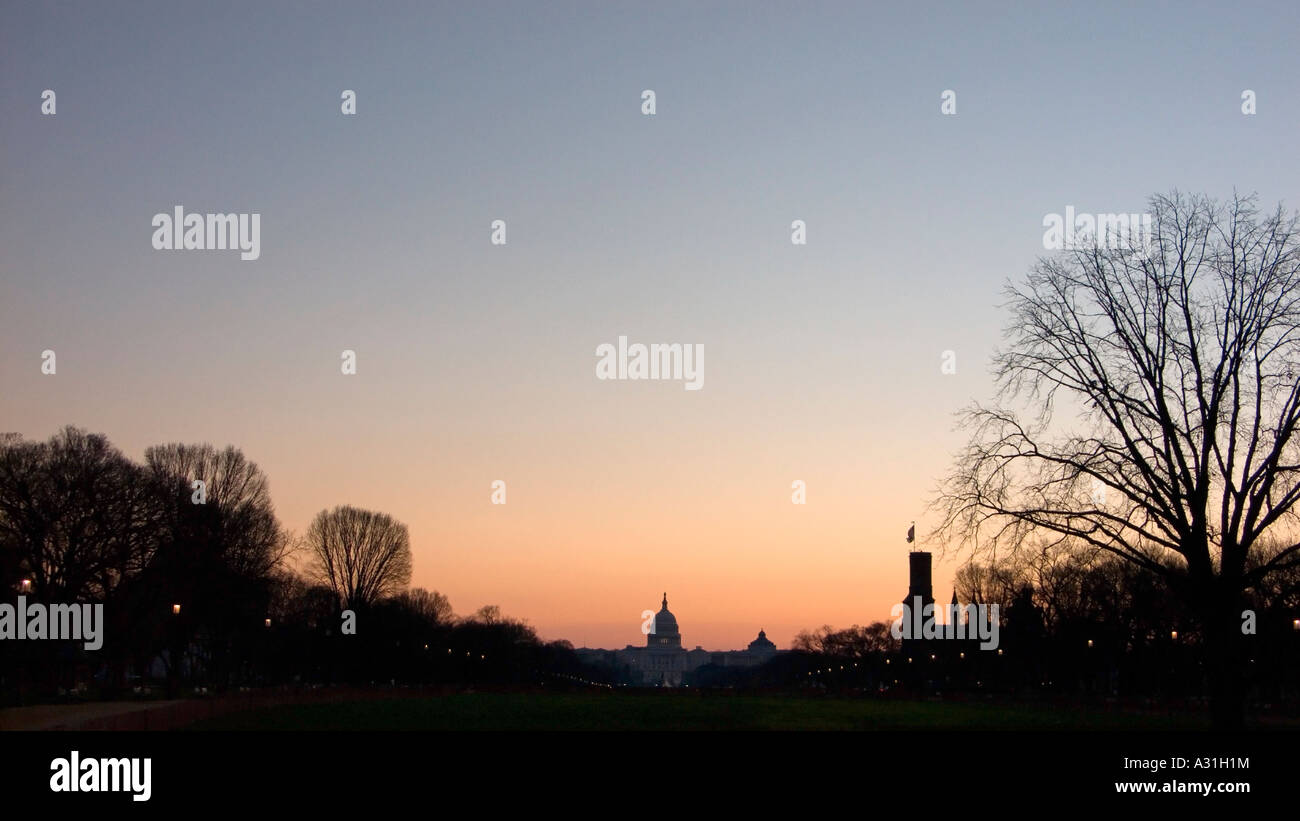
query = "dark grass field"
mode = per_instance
[{"x": 629, "y": 711}]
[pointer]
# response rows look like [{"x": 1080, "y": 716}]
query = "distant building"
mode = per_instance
[
  {"x": 920, "y": 587},
  {"x": 663, "y": 662}
]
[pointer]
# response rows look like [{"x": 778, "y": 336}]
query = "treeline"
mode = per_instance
[
  {"x": 1077, "y": 618},
  {"x": 203, "y": 588},
  {"x": 1072, "y": 621}
]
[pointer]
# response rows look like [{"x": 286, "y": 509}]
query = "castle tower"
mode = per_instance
[
  {"x": 919, "y": 581},
  {"x": 920, "y": 587}
]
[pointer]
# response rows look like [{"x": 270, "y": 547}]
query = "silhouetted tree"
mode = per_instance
[
  {"x": 217, "y": 558},
  {"x": 74, "y": 515},
  {"x": 1181, "y": 365},
  {"x": 361, "y": 555},
  {"x": 852, "y": 642},
  {"x": 78, "y": 521},
  {"x": 236, "y": 509},
  {"x": 487, "y": 614},
  {"x": 430, "y": 605}
]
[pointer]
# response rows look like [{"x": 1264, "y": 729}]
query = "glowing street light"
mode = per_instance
[
  {"x": 26, "y": 586},
  {"x": 1089, "y": 642},
  {"x": 176, "y": 609},
  {"x": 1173, "y": 634},
  {"x": 268, "y": 622}
]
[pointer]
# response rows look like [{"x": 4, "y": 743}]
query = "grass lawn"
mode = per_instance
[{"x": 680, "y": 711}]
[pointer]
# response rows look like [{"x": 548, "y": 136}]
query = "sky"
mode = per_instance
[{"x": 476, "y": 362}]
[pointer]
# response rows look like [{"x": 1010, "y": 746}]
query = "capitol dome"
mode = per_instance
[{"x": 666, "y": 630}]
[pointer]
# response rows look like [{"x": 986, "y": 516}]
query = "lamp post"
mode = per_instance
[
  {"x": 25, "y": 585},
  {"x": 175, "y": 652}
]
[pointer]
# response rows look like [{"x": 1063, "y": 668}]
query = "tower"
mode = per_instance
[
  {"x": 919, "y": 582},
  {"x": 919, "y": 602}
]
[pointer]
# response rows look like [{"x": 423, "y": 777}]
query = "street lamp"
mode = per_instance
[
  {"x": 268, "y": 622},
  {"x": 1173, "y": 635},
  {"x": 176, "y": 609},
  {"x": 26, "y": 586},
  {"x": 1089, "y": 642}
]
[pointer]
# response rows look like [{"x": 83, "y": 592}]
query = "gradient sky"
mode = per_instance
[{"x": 477, "y": 362}]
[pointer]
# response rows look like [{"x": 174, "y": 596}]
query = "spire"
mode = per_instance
[{"x": 665, "y": 599}]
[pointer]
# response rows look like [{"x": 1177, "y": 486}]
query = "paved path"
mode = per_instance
[{"x": 70, "y": 716}]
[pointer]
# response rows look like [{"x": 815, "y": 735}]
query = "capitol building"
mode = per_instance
[{"x": 663, "y": 662}]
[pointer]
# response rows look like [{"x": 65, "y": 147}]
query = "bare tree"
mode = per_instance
[
  {"x": 994, "y": 583},
  {"x": 851, "y": 642},
  {"x": 429, "y": 604},
  {"x": 74, "y": 516},
  {"x": 361, "y": 555},
  {"x": 1177, "y": 365},
  {"x": 236, "y": 514},
  {"x": 487, "y": 614},
  {"x": 222, "y": 547}
]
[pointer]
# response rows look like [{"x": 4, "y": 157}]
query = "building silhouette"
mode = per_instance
[{"x": 664, "y": 662}]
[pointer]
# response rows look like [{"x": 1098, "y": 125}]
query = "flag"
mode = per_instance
[{"x": 911, "y": 533}]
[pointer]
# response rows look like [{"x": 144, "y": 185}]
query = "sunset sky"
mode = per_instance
[{"x": 477, "y": 362}]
